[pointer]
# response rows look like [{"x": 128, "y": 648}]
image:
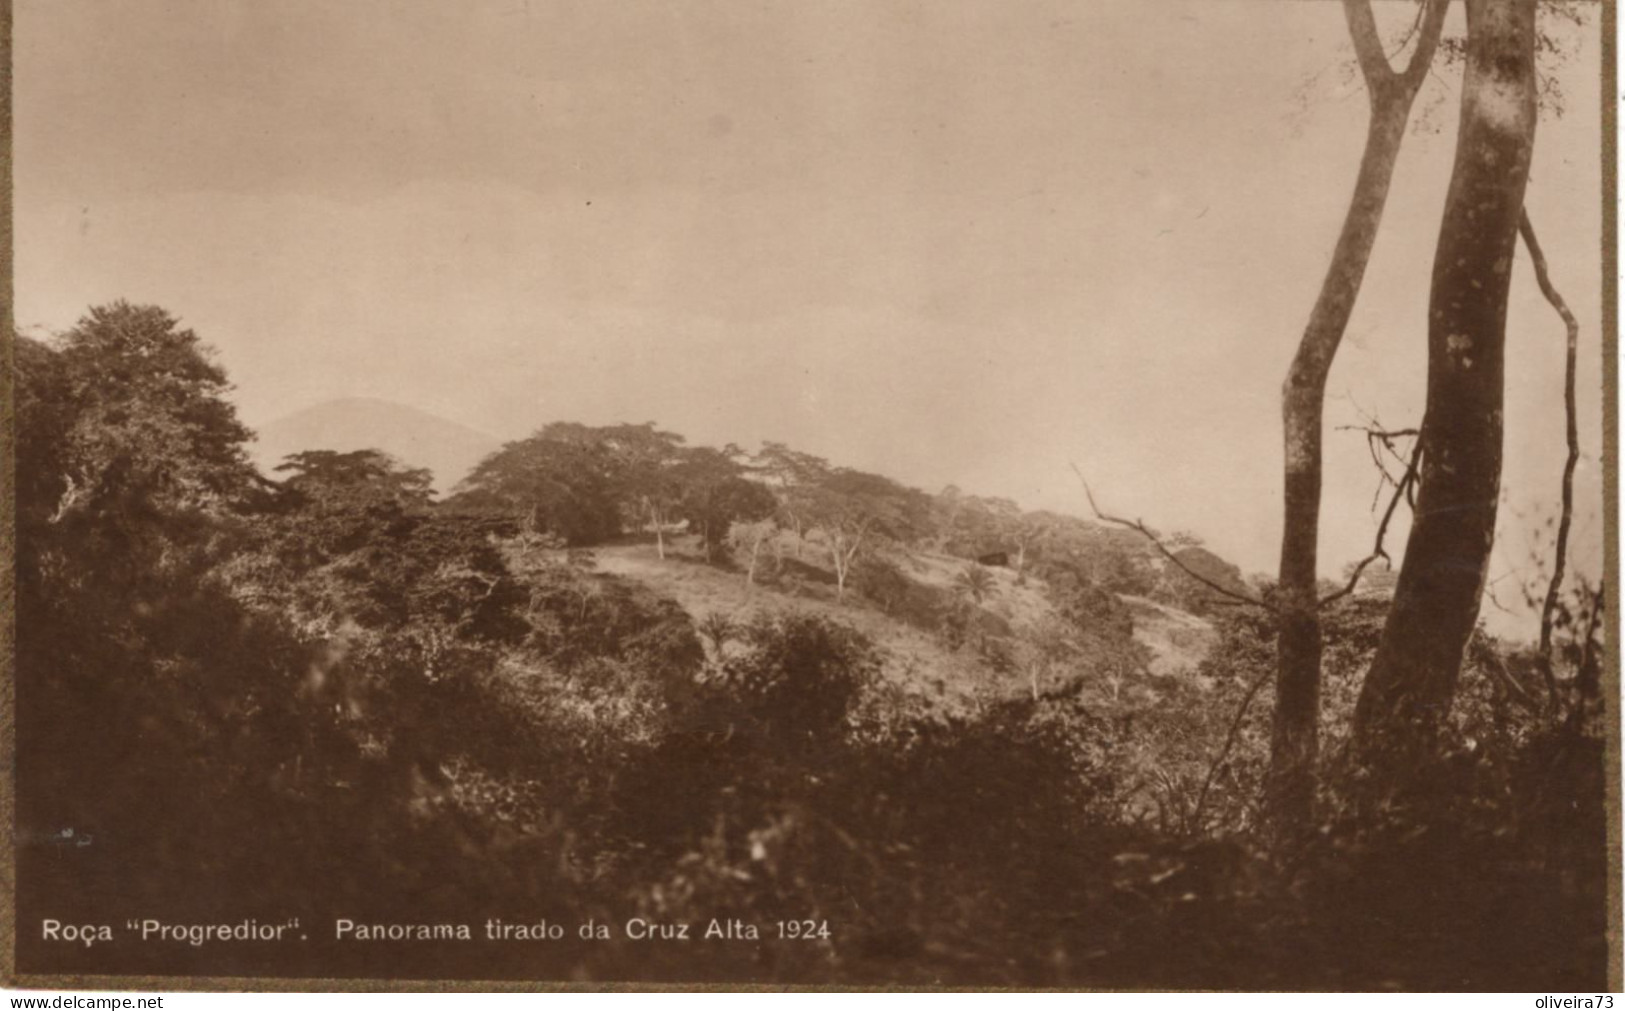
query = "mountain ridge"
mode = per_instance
[{"x": 418, "y": 438}]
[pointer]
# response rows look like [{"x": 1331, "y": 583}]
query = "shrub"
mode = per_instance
[{"x": 795, "y": 679}]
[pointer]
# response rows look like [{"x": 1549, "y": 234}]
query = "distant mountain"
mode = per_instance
[{"x": 415, "y": 437}]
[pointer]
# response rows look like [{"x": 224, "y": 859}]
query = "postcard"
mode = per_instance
[{"x": 1080, "y": 494}]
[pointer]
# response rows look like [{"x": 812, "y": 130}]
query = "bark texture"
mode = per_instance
[
  {"x": 1295, "y": 733},
  {"x": 1408, "y": 693}
]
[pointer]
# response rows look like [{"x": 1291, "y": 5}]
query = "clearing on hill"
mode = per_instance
[{"x": 914, "y": 658}]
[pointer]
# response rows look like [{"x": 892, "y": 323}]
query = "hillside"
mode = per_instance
[
  {"x": 415, "y": 437},
  {"x": 916, "y": 659},
  {"x": 1178, "y": 640}
]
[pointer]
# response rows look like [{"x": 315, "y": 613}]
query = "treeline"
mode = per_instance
[{"x": 588, "y": 485}]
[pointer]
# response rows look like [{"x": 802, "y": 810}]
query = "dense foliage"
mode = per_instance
[{"x": 328, "y": 695}]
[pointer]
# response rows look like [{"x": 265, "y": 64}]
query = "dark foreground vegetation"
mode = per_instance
[{"x": 329, "y": 696}]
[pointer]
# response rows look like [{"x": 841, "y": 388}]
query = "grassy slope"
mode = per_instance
[
  {"x": 1178, "y": 639},
  {"x": 914, "y": 659}
]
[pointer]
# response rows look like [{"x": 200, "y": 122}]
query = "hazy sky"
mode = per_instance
[{"x": 947, "y": 240}]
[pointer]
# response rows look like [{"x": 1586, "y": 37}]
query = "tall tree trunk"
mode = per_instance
[
  {"x": 1295, "y": 735},
  {"x": 1408, "y": 692}
]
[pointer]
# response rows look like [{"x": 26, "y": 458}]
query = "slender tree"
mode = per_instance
[
  {"x": 1571, "y": 432},
  {"x": 646, "y": 464},
  {"x": 748, "y": 538},
  {"x": 794, "y": 476},
  {"x": 854, "y": 511},
  {"x": 1295, "y": 739}
]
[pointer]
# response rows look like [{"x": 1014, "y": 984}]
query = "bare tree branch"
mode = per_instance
[
  {"x": 1559, "y": 562},
  {"x": 1383, "y": 435},
  {"x": 1410, "y": 33},
  {"x": 1157, "y": 542},
  {"x": 1498, "y": 667},
  {"x": 1401, "y": 488},
  {"x": 1489, "y": 592},
  {"x": 1229, "y": 742},
  {"x": 1378, "y": 440}
]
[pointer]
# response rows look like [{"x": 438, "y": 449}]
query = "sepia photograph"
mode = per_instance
[{"x": 948, "y": 494}]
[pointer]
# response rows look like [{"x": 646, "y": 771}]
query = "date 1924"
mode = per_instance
[{"x": 803, "y": 930}]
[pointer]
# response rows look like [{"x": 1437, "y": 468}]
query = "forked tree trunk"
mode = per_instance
[
  {"x": 1295, "y": 736},
  {"x": 843, "y": 553},
  {"x": 1408, "y": 692}
]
